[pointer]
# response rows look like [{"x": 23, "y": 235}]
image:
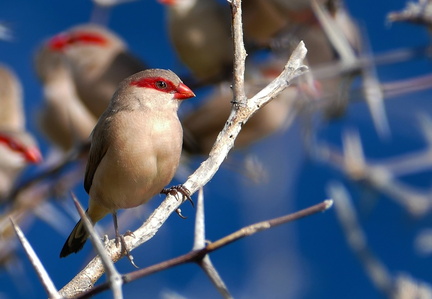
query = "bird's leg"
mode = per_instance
[
  {"x": 120, "y": 239},
  {"x": 175, "y": 190}
]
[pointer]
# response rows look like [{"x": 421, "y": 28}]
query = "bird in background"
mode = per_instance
[
  {"x": 64, "y": 119},
  {"x": 18, "y": 148},
  {"x": 202, "y": 125},
  {"x": 135, "y": 150},
  {"x": 286, "y": 28},
  {"x": 303, "y": 24},
  {"x": 98, "y": 60},
  {"x": 200, "y": 32}
]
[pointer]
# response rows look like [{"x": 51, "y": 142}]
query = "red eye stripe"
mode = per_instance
[
  {"x": 157, "y": 83},
  {"x": 61, "y": 41},
  {"x": 9, "y": 142},
  {"x": 87, "y": 38}
]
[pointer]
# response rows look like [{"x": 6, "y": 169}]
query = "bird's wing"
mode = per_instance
[{"x": 98, "y": 149}]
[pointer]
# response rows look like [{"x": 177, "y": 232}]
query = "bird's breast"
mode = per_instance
[{"x": 141, "y": 160}]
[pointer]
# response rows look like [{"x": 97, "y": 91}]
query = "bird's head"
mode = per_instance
[
  {"x": 153, "y": 88},
  {"x": 87, "y": 47},
  {"x": 79, "y": 37}
]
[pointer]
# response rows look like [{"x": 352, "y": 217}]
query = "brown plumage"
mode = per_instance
[
  {"x": 136, "y": 147},
  {"x": 201, "y": 35},
  {"x": 63, "y": 118}
]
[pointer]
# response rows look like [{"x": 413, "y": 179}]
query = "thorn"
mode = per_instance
[{"x": 178, "y": 211}]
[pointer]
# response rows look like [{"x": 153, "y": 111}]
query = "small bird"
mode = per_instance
[
  {"x": 202, "y": 125},
  {"x": 201, "y": 35},
  {"x": 135, "y": 150},
  {"x": 17, "y": 147},
  {"x": 98, "y": 59},
  {"x": 63, "y": 118}
]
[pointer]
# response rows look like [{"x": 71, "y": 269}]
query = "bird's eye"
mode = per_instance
[
  {"x": 161, "y": 84},
  {"x": 14, "y": 146}
]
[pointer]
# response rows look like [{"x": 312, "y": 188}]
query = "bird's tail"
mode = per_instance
[{"x": 76, "y": 240}]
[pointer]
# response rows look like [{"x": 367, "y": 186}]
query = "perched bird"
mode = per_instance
[
  {"x": 63, "y": 119},
  {"x": 98, "y": 60},
  {"x": 17, "y": 147},
  {"x": 201, "y": 35},
  {"x": 136, "y": 147}
]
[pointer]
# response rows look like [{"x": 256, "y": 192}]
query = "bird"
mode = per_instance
[
  {"x": 200, "y": 33},
  {"x": 98, "y": 59},
  {"x": 64, "y": 119},
  {"x": 135, "y": 148},
  {"x": 18, "y": 148},
  {"x": 202, "y": 125}
]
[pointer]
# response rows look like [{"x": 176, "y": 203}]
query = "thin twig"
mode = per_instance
[
  {"x": 115, "y": 279},
  {"x": 381, "y": 176},
  {"x": 239, "y": 53},
  {"x": 37, "y": 265},
  {"x": 356, "y": 239}
]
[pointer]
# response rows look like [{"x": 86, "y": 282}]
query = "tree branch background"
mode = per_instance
[{"x": 306, "y": 259}]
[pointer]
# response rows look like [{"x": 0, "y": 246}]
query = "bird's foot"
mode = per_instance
[
  {"x": 120, "y": 240},
  {"x": 175, "y": 190}
]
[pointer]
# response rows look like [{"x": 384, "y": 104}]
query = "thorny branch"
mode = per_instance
[{"x": 198, "y": 254}]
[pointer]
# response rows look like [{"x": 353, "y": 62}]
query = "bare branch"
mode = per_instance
[
  {"x": 114, "y": 277},
  {"x": 199, "y": 243},
  {"x": 335, "y": 34},
  {"x": 199, "y": 239},
  {"x": 239, "y": 53},
  {"x": 37, "y": 265}
]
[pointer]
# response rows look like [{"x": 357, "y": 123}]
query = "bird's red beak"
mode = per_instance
[
  {"x": 33, "y": 155},
  {"x": 183, "y": 92},
  {"x": 167, "y": 2}
]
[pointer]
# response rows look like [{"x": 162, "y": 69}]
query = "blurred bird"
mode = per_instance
[
  {"x": 136, "y": 147},
  {"x": 262, "y": 20},
  {"x": 99, "y": 61},
  {"x": 200, "y": 31},
  {"x": 202, "y": 125},
  {"x": 64, "y": 119},
  {"x": 17, "y": 146}
]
